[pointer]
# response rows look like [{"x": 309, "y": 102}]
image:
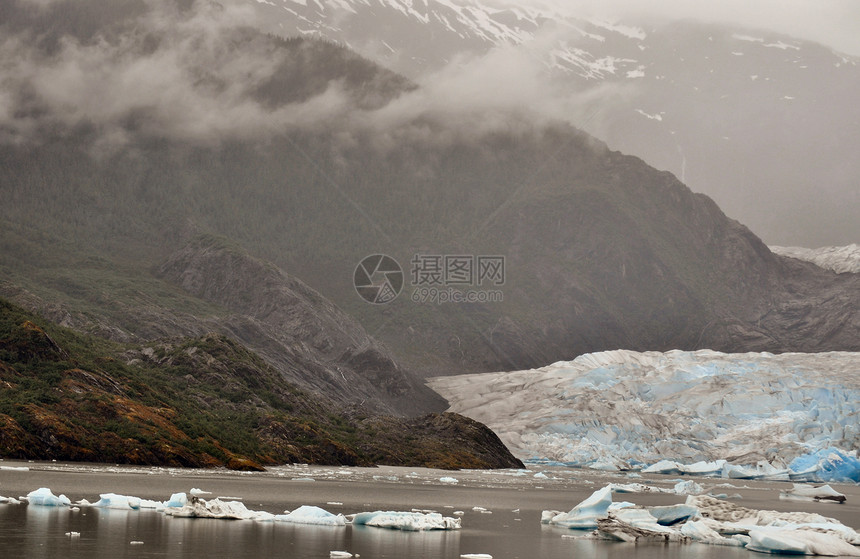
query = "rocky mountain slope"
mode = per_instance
[
  {"x": 748, "y": 117},
  {"x": 204, "y": 401}
]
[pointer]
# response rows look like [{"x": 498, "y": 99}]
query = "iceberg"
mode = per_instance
[
  {"x": 708, "y": 520},
  {"x": 583, "y": 516},
  {"x": 114, "y": 501},
  {"x": 408, "y": 521},
  {"x": 799, "y": 542},
  {"x": 676, "y": 412},
  {"x": 307, "y": 514},
  {"x": 818, "y": 493},
  {"x": 45, "y": 498},
  {"x": 216, "y": 508},
  {"x": 827, "y": 464}
]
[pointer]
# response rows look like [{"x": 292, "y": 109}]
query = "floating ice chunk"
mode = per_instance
[
  {"x": 673, "y": 514},
  {"x": 198, "y": 492},
  {"x": 449, "y": 480},
  {"x": 585, "y": 514},
  {"x": 689, "y": 487},
  {"x": 475, "y": 556},
  {"x": 307, "y": 514},
  {"x": 812, "y": 493},
  {"x": 703, "y": 468},
  {"x": 799, "y": 542},
  {"x": 44, "y": 497},
  {"x": 9, "y": 501},
  {"x": 634, "y": 525},
  {"x": 637, "y": 488},
  {"x": 15, "y": 468},
  {"x": 114, "y": 501},
  {"x": 407, "y": 521},
  {"x": 663, "y": 467},
  {"x": 177, "y": 500},
  {"x": 339, "y": 554},
  {"x": 216, "y": 508},
  {"x": 699, "y": 531},
  {"x": 829, "y": 464},
  {"x": 135, "y": 542},
  {"x": 541, "y": 475},
  {"x": 73, "y": 534}
]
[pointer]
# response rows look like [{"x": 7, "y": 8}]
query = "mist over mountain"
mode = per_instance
[
  {"x": 126, "y": 142},
  {"x": 757, "y": 120}
]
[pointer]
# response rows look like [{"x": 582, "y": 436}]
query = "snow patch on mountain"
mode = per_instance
[
  {"x": 626, "y": 407},
  {"x": 839, "y": 259}
]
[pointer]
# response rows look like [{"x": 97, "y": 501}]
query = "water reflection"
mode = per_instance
[{"x": 33, "y": 531}]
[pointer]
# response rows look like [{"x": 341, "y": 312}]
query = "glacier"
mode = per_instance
[
  {"x": 843, "y": 259},
  {"x": 746, "y": 415}
]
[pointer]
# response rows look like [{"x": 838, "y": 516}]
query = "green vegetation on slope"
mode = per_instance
[{"x": 196, "y": 402}]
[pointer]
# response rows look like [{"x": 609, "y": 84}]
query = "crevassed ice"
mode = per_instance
[{"x": 620, "y": 409}]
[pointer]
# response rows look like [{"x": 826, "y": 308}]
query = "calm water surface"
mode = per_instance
[{"x": 511, "y": 529}]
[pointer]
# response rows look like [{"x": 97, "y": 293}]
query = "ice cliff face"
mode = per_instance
[
  {"x": 839, "y": 259},
  {"x": 623, "y": 406}
]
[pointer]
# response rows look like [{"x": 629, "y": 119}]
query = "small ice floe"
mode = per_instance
[
  {"x": 407, "y": 521},
  {"x": 135, "y": 542},
  {"x": 307, "y": 514},
  {"x": 176, "y": 500},
  {"x": 585, "y": 514},
  {"x": 9, "y": 501},
  {"x": 339, "y": 554},
  {"x": 829, "y": 464},
  {"x": 199, "y": 492},
  {"x": 700, "y": 531},
  {"x": 114, "y": 501},
  {"x": 44, "y": 497},
  {"x": 335, "y": 503},
  {"x": 305, "y": 479},
  {"x": 799, "y": 542},
  {"x": 475, "y": 556},
  {"x": 663, "y": 467},
  {"x": 73, "y": 534},
  {"x": 458, "y": 513},
  {"x": 762, "y": 470},
  {"x": 688, "y": 487},
  {"x": 635, "y": 525},
  {"x": 15, "y": 468},
  {"x": 449, "y": 480},
  {"x": 216, "y": 508},
  {"x": 703, "y": 468},
  {"x": 637, "y": 488},
  {"x": 673, "y": 514},
  {"x": 801, "y": 492}
]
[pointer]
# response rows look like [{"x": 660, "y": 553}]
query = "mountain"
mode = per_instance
[
  {"x": 203, "y": 401},
  {"x": 750, "y": 118},
  {"x": 189, "y": 127}
]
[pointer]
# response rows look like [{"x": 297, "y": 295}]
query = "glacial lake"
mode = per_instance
[{"x": 508, "y": 527}]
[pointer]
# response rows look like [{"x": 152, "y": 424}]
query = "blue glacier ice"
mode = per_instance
[
  {"x": 308, "y": 514},
  {"x": 828, "y": 464},
  {"x": 676, "y": 412},
  {"x": 46, "y": 498}
]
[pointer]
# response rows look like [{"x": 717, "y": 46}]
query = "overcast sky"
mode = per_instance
[{"x": 835, "y": 23}]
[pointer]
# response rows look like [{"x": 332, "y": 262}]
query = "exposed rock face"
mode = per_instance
[
  {"x": 307, "y": 337},
  {"x": 204, "y": 401}
]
